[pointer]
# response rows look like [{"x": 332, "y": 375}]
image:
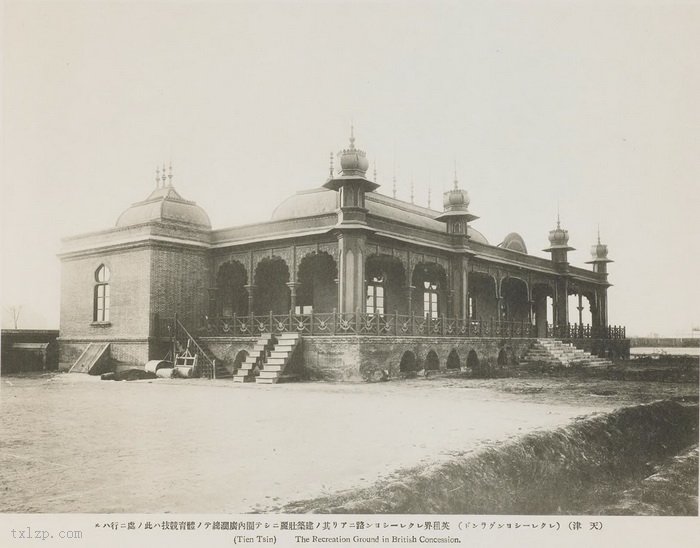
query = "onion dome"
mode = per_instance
[
  {"x": 455, "y": 200},
  {"x": 353, "y": 161},
  {"x": 353, "y": 167},
  {"x": 559, "y": 238},
  {"x": 456, "y": 204},
  {"x": 599, "y": 253},
  {"x": 165, "y": 205}
]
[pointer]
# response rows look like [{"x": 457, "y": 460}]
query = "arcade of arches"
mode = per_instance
[{"x": 313, "y": 288}]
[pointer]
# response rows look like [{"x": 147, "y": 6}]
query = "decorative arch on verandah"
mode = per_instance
[
  {"x": 583, "y": 297},
  {"x": 483, "y": 293},
  {"x": 231, "y": 293},
  {"x": 515, "y": 299},
  {"x": 271, "y": 289},
  {"x": 386, "y": 285},
  {"x": 429, "y": 282},
  {"x": 542, "y": 296},
  {"x": 317, "y": 276}
]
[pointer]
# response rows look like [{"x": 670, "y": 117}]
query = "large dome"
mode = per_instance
[
  {"x": 320, "y": 201},
  {"x": 165, "y": 205}
]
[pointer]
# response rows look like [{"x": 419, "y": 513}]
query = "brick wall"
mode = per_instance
[
  {"x": 129, "y": 286},
  {"x": 179, "y": 284},
  {"x": 355, "y": 358}
]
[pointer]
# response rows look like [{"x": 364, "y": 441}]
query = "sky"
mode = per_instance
[{"x": 586, "y": 107}]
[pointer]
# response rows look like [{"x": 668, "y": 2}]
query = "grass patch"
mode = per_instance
[{"x": 568, "y": 470}]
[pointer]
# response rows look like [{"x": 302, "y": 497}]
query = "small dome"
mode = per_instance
[
  {"x": 599, "y": 251},
  {"x": 165, "y": 205},
  {"x": 455, "y": 200},
  {"x": 353, "y": 161},
  {"x": 558, "y": 236}
]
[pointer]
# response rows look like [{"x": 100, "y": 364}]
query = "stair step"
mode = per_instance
[
  {"x": 265, "y": 374},
  {"x": 266, "y": 381},
  {"x": 287, "y": 343},
  {"x": 287, "y": 336},
  {"x": 243, "y": 379}
]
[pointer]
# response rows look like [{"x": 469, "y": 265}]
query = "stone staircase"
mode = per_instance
[
  {"x": 555, "y": 353},
  {"x": 279, "y": 358},
  {"x": 256, "y": 359}
]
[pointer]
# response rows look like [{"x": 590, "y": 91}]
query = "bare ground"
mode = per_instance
[{"x": 73, "y": 443}]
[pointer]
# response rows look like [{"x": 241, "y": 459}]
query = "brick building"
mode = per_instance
[{"x": 369, "y": 282}]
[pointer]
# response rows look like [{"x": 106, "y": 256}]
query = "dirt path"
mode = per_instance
[{"x": 73, "y": 443}]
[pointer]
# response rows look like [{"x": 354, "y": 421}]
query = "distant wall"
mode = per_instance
[{"x": 685, "y": 342}]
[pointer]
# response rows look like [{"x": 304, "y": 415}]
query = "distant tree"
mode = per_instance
[{"x": 15, "y": 310}]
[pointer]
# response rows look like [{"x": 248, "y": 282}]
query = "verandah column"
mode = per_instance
[
  {"x": 251, "y": 299},
  {"x": 460, "y": 287},
  {"x": 561, "y": 302},
  {"x": 351, "y": 271}
]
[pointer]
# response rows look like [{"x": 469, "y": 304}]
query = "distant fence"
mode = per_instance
[{"x": 398, "y": 325}]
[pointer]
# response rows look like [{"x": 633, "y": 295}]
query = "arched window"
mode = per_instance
[
  {"x": 375, "y": 295},
  {"x": 101, "y": 295},
  {"x": 430, "y": 300}
]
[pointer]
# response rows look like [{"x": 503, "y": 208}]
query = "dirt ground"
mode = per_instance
[{"x": 73, "y": 443}]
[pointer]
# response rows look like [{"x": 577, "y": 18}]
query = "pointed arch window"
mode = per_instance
[
  {"x": 375, "y": 295},
  {"x": 101, "y": 297}
]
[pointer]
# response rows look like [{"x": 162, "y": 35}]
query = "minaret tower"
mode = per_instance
[
  {"x": 599, "y": 258},
  {"x": 352, "y": 229},
  {"x": 456, "y": 214},
  {"x": 352, "y": 184},
  {"x": 456, "y": 217},
  {"x": 559, "y": 247}
]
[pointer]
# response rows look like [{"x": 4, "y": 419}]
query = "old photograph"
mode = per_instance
[{"x": 350, "y": 273}]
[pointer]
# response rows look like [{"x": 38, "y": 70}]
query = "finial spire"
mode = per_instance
[
  {"x": 375, "y": 171},
  {"x": 412, "y": 197},
  {"x": 428, "y": 195},
  {"x": 162, "y": 175},
  {"x": 157, "y": 177},
  {"x": 330, "y": 169},
  {"x": 456, "y": 183},
  {"x": 170, "y": 174},
  {"x": 558, "y": 220},
  {"x": 598, "y": 233},
  {"x": 352, "y": 136}
]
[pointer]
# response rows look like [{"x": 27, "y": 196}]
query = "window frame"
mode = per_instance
[
  {"x": 101, "y": 296},
  {"x": 375, "y": 296}
]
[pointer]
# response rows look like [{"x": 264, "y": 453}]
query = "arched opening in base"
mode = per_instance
[
  {"x": 432, "y": 362},
  {"x": 453, "y": 360},
  {"x": 408, "y": 364},
  {"x": 238, "y": 361}
]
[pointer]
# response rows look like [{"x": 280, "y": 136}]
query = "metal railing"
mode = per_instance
[
  {"x": 397, "y": 325},
  {"x": 206, "y": 366}
]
